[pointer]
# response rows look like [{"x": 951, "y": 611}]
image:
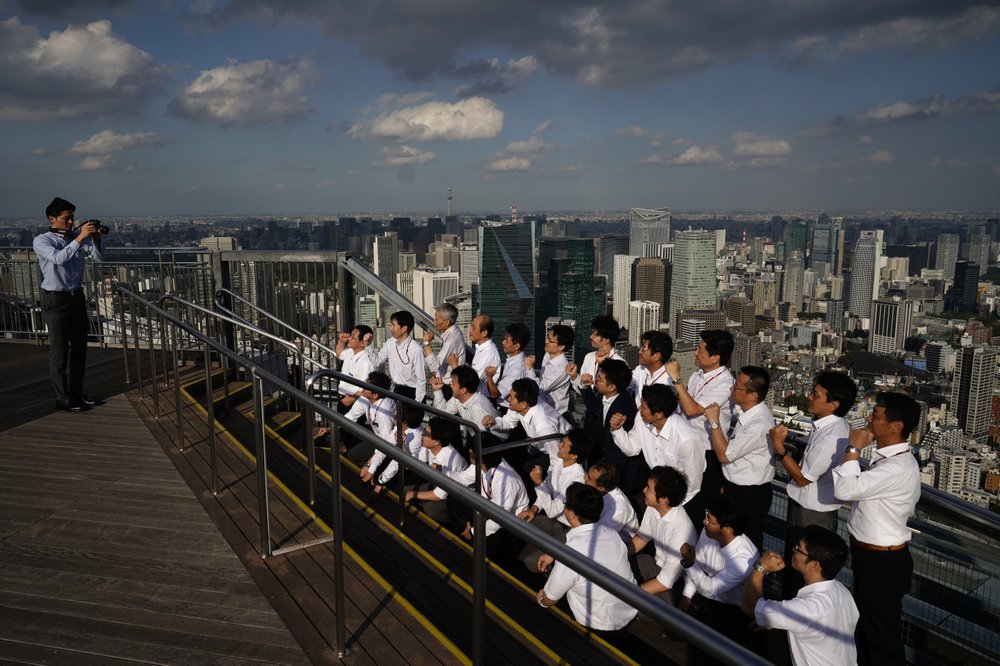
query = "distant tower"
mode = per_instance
[
  {"x": 972, "y": 389},
  {"x": 648, "y": 229},
  {"x": 692, "y": 283},
  {"x": 513, "y": 214},
  {"x": 890, "y": 325},
  {"x": 449, "y": 201}
]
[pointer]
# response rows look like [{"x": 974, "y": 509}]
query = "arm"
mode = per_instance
[
  {"x": 47, "y": 249},
  {"x": 490, "y": 372},
  {"x": 688, "y": 404},
  {"x": 719, "y": 442},
  {"x": 629, "y": 442},
  {"x": 754, "y": 590},
  {"x": 778, "y": 435},
  {"x": 432, "y": 359}
]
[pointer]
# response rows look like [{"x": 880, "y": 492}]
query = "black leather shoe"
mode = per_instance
[
  {"x": 72, "y": 406},
  {"x": 90, "y": 403}
]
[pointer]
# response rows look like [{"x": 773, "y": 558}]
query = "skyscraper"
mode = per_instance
[
  {"x": 972, "y": 389},
  {"x": 890, "y": 325},
  {"x": 651, "y": 282},
  {"x": 642, "y": 316},
  {"x": 622, "y": 293},
  {"x": 795, "y": 237},
  {"x": 692, "y": 283},
  {"x": 822, "y": 242},
  {"x": 741, "y": 309},
  {"x": 979, "y": 249},
  {"x": 507, "y": 273},
  {"x": 947, "y": 254},
  {"x": 865, "y": 265},
  {"x": 963, "y": 295},
  {"x": 609, "y": 247},
  {"x": 431, "y": 286},
  {"x": 571, "y": 290},
  {"x": 792, "y": 284},
  {"x": 648, "y": 227}
]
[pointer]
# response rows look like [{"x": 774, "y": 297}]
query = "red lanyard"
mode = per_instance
[
  {"x": 701, "y": 387},
  {"x": 405, "y": 361},
  {"x": 488, "y": 484},
  {"x": 653, "y": 378},
  {"x": 875, "y": 462}
]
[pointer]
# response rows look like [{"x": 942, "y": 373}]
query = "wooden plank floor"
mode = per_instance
[{"x": 106, "y": 556}]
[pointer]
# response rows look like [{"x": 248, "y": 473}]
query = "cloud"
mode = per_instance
[
  {"x": 96, "y": 73},
  {"x": 543, "y": 126},
  {"x": 532, "y": 146},
  {"x": 654, "y": 138},
  {"x": 520, "y": 155},
  {"x": 402, "y": 99},
  {"x": 492, "y": 77},
  {"x": 938, "y": 163},
  {"x": 987, "y": 101},
  {"x": 746, "y": 144},
  {"x": 96, "y": 162},
  {"x": 467, "y": 119},
  {"x": 512, "y": 163},
  {"x": 260, "y": 92},
  {"x": 398, "y": 155},
  {"x": 865, "y": 140},
  {"x": 878, "y": 158},
  {"x": 109, "y": 141},
  {"x": 63, "y": 8},
  {"x": 696, "y": 155},
  {"x": 915, "y": 33}
]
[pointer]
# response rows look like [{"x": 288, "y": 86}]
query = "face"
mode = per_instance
[
  {"x": 355, "y": 342},
  {"x": 552, "y": 345},
  {"x": 712, "y": 527},
  {"x": 564, "y": 451},
  {"x": 880, "y": 426},
  {"x": 476, "y": 334},
  {"x": 602, "y": 385},
  {"x": 63, "y": 221},
  {"x": 514, "y": 403},
  {"x": 596, "y": 341},
  {"x": 740, "y": 393},
  {"x": 702, "y": 358},
  {"x": 800, "y": 556},
  {"x": 646, "y": 413},
  {"x": 395, "y": 330},
  {"x": 649, "y": 493},
  {"x": 509, "y": 346},
  {"x": 591, "y": 478},
  {"x": 427, "y": 441},
  {"x": 440, "y": 323},
  {"x": 456, "y": 388},
  {"x": 819, "y": 402},
  {"x": 647, "y": 357}
]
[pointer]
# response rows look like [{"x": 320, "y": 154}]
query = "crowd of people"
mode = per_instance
[{"x": 666, "y": 480}]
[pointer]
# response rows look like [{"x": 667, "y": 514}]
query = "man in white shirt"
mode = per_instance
[
  {"x": 380, "y": 414},
  {"x": 547, "y": 512},
  {"x": 503, "y": 486},
  {"x": 438, "y": 440},
  {"x": 811, "y": 499},
  {"x": 452, "y": 345},
  {"x": 486, "y": 354},
  {"x": 747, "y": 464},
  {"x": 466, "y": 401},
  {"x": 604, "y": 332},
  {"x": 406, "y": 361},
  {"x": 357, "y": 360},
  {"x": 710, "y": 383},
  {"x": 378, "y": 471},
  {"x": 592, "y": 606},
  {"x": 553, "y": 382},
  {"x": 537, "y": 418},
  {"x": 821, "y": 619},
  {"x": 717, "y": 570},
  {"x": 515, "y": 340},
  {"x": 618, "y": 513},
  {"x": 885, "y": 496},
  {"x": 667, "y": 527},
  {"x": 655, "y": 349}
]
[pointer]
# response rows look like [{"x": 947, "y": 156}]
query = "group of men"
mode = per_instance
[{"x": 668, "y": 481}]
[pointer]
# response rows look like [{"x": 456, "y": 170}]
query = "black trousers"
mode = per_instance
[
  {"x": 66, "y": 318},
  {"x": 756, "y": 502},
  {"x": 881, "y": 578}
]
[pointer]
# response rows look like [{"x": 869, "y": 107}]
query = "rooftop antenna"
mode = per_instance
[{"x": 449, "y": 201}]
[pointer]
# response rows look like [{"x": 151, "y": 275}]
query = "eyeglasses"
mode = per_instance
[
  {"x": 709, "y": 520},
  {"x": 796, "y": 549}
]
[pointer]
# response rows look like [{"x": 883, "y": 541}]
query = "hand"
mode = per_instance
[
  {"x": 436, "y": 382},
  {"x": 86, "y": 230},
  {"x": 602, "y": 355},
  {"x": 453, "y": 361},
  {"x": 860, "y": 438},
  {"x": 687, "y": 555},
  {"x": 544, "y": 562},
  {"x": 616, "y": 421},
  {"x": 674, "y": 370},
  {"x": 536, "y": 475},
  {"x": 778, "y": 435},
  {"x": 772, "y": 561},
  {"x": 428, "y": 336},
  {"x": 348, "y": 400},
  {"x": 377, "y": 489},
  {"x": 436, "y": 466},
  {"x": 344, "y": 338},
  {"x": 489, "y": 421},
  {"x": 684, "y": 605},
  {"x": 586, "y": 380},
  {"x": 712, "y": 412},
  {"x": 529, "y": 362},
  {"x": 366, "y": 474},
  {"x": 571, "y": 370},
  {"x": 527, "y": 515},
  {"x": 467, "y": 532},
  {"x": 490, "y": 371},
  {"x": 411, "y": 495}
]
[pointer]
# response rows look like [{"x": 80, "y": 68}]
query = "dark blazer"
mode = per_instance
[{"x": 634, "y": 471}]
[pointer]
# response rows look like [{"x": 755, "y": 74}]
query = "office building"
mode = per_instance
[
  {"x": 965, "y": 291},
  {"x": 741, "y": 309},
  {"x": 693, "y": 283},
  {"x": 890, "y": 325},
  {"x": 622, "y": 278},
  {"x": 866, "y": 262},
  {"x": 651, "y": 282},
  {"x": 940, "y": 357},
  {"x": 431, "y": 286},
  {"x": 568, "y": 287},
  {"x": 642, "y": 316},
  {"x": 507, "y": 273},
  {"x": 648, "y": 227},
  {"x": 972, "y": 389},
  {"x": 946, "y": 254},
  {"x": 608, "y": 247}
]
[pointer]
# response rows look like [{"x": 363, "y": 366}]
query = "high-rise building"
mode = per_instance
[
  {"x": 890, "y": 325},
  {"x": 651, "y": 282},
  {"x": 642, "y": 316},
  {"x": 792, "y": 287},
  {"x": 745, "y": 352},
  {"x": 507, "y": 273},
  {"x": 690, "y": 323},
  {"x": 648, "y": 227},
  {"x": 966, "y": 286},
  {"x": 741, "y": 309},
  {"x": 837, "y": 234},
  {"x": 622, "y": 293},
  {"x": 947, "y": 254},
  {"x": 972, "y": 389},
  {"x": 835, "y": 315},
  {"x": 822, "y": 242},
  {"x": 865, "y": 265},
  {"x": 765, "y": 294},
  {"x": 979, "y": 249},
  {"x": 795, "y": 237},
  {"x": 940, "y": 357},
  {"x": 693, "y": 283},
  {"x": 469, "y": 266},
  {"x": 431, "y": 286},
  {"x": 608, "y": 247},
  {"x": 568, "y": 287}
]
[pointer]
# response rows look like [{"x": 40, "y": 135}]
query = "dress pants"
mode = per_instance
[
  {"x": 881, "y": 578},
  {"x": 756, "y": 503},
  {"x": 66, "y": 317}
]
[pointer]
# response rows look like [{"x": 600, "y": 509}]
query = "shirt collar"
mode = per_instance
[
  {"x": 711, "y": 373},
  {"x": 890, "y": 451}
]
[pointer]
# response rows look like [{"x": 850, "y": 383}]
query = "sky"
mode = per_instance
[{"x": 292, "y": 107}]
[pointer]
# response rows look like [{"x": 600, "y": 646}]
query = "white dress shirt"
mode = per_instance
[
  {"x": 678, "y": 444},
  {"x": 720, "y": 573},
  {"x": 486, "y": 356},
  {"x": 668, "y": 533},
  {"x": 589, "y": 367},
  {"x": 706, "y": 388},
  {"x": 357, "y": 365},
  {"x": 551, "y": 493},
  {"x": 537, "y": 421},
  {"x": 406, "y": 364},
  {"x": 502, "y": 486},
  {"x": 553, "y": 382},
  {"x": 452, "y": 342},
  {"x": 411, "y": 443},
  {"x": 381, "y": 416},
  {"x": 824, "y": 450},
  {"x": 513, "y": 369},
  {"x": 451, "y": 462},
  {"x": 750, "y": 452},
  {"x": 884, "y": 495},
  {"x": 473, "y": 409},
  {"x": 619, "y": 515},
  {"x": 820, "y": 622},
  {"x": 642, "y": 377},
  {"x": 592, "y": 606}
]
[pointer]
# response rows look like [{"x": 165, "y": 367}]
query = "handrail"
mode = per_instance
[
  {"x": 271, "y": 317},
  {"x": 675, "y": 620},
  {"x": 972, "y": 518},
  {"x": 507, "y": 446},
  {"x": 387, "y": 291}
]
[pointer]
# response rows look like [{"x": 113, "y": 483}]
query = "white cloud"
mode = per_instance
[
  {"x": 281, "y": 187},
  {"x": 878, "y": 158},
  {"x": 747, "y": 144},
  {"x": 532, "y": 146},
  {"x": 82, "y": 72},
  {"x": 543, "y": 126},
  {"x": 512, "y": 163},
  {"x": 654, "y": 138},
  {"x": 399, "y": 155},
  {"x": 865, "y": 140},
  {"x": 912, "y": 33},
  {"x": 397, "y": 99},
  {"x": 696, "y": 155},
  {"x": 472, "y": 118},
  {"x": 96, "y": 162},
  {"x": 109, "y": 141},
  {"x": 260, "y": 92}
]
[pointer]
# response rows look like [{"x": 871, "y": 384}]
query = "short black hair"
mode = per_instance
[
  {"x": 719, "y": 343},
  {"x": 581, "y": 444},
  {"x": 467, "y": 378},
  {"x": 729, "y": 513},
  {"x": 827, "y": 548},
  {"x": 363, "y": 331},
  {"x": 403, "y": 318},
  {"x": 840, "y": 388},
  {"x": 660, "y": 398},
  {"x": 616, "y": 372},
  {"x": 669, "y": 483},
  {"x": 606, "y": 327},
  {"x": 519, "y": 334},
  {"x": 758, "y": 380},
  {"x": 491, "y": 460},
  {"x": 900, "y": 407},
  {"x": 586, "y": 502},
  {"x": 526, "y": 390},
  {"x": 608, "y": 474},
  {"x": 659, "y": 343},
  {"x": 380, "y": 379},
  {"x": 411, "y": 415},
  {"x": 445, "y": 431},
  {"x": 565, "y": 336},
  {"x": 57, "y": 207}
]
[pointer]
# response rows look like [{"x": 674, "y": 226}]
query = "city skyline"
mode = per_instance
[{"x": 213, "y": 108}]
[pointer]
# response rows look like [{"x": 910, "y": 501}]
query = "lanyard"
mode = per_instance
[
  {"x": 653, "y": 378},
  {"x": 406, "y": 345},
  {"x": 372, "y": 415},
  {"x": 881, "y": 458},
  {"x": 488, "y": 484},
  {"x": 701, "y": 387}
]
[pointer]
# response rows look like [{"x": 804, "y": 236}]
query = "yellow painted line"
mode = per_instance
[{"x": 417, "y": 615}]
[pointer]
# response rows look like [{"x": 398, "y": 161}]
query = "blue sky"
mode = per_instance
[{"x": 309, "y": 106}]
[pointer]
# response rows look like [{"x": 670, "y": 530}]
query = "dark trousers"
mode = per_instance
[
  {"x": 756, "y": 503},
  {"x": 728, "y": 620},
  {"x": 406, "y": 391},
  {"x": 881, "y": 578},
  {"x": 66, "y": 318}
]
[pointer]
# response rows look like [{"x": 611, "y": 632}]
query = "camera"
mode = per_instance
[{"x": 99, "y": 227}]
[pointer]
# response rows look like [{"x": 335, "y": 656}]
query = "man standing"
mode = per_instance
[
  {"x": 406, "y": 365},
  {"x": 553, "y": 382},
  {"x": 486, "y": 354},
  {"x": 655, "y": 350},
  {"x": 885, "y": 496},
  {"x": 515, "y": 339},
  {"x": 61, "y": 254},
  {"x": 452, "y": 344}
]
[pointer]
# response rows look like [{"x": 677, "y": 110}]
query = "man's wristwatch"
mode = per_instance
[
  {"x": 714, "y": 425},
  {"x": 852, "y": 449},
  {"x": 779, "y": 456},
  {"x": 426, "y": 344},
  {"x": 759, "y": 567}
]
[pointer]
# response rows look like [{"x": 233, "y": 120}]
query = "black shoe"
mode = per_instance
[
  {"x": 90, "y": 403},
  {"x": 72, "y": 406}
]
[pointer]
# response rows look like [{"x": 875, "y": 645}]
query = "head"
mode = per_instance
[
  {"x": 725, "y": 519},
  {"x": 361, "y": 337},
  {"x": 60, "y": 213},
  {"x": 665, "y": 488},
  {"x": 659, "y": 401},
  {"x": 379, "y": 379},
  {"x": 613, "y": 377},
  {"x": 604, "y": 331},
  {"x": 445, "y": 316},
  {"x": 576, "y": 445},
  {"x": 490, "y": 460},
  {"x": 832, "y": 393},
  {"x": 412, "y": 416},
  {"x": 516, "y": 338},
  {"x": 584, "y": 503},
  {"x": 751, "y": 386},
  {"x": 559, "y": 339},
  {"x": 655, "y": 348},
  {"x": 820, "y": 551},
  {"x": 440, "y": 432},
  {"x": 603, "y": 475},
  {"x": 894, "y": 418},
  {"x": 464, "y": 380},
  {"x": 401, "y": 324},
  {"x": 714, "y": 350},
  {"x": 481, "y": 328},
  {"x": 523, "y": 393}
]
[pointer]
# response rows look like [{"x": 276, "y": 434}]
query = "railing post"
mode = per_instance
[
  {"x": 124, "y": 334},
  {"x": 400, "y": 469},
  {"x": 307, "y": 440},
  {"x": 177, "y": 390},
  {"x": 478, "y": 564},
  {"x": 213, "y": 459},
  {"x": 135, "y": 337},
  {"x": 336, "y": 510},
  {"x": 152, "y": 368},
  {"x": 260, "y": 441}
]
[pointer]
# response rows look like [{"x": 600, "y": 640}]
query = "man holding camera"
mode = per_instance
[{"x": 61, "y": 252}]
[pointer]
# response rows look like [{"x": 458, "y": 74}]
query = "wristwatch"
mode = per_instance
[
  {"x": 759, "y": 567},
  {"x": 852, "y": 449},
  {"x": 426, "y": 344},
  {"x": 713, "y": 425},
  {"x": 779, "y": 456}
]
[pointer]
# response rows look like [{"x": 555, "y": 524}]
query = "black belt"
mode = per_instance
[{"x": 64, "y": 292}]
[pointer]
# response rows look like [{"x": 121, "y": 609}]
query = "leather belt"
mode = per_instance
[
  {"x": 64, "y": 292},
  {"x": 870, "y": 546}
]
